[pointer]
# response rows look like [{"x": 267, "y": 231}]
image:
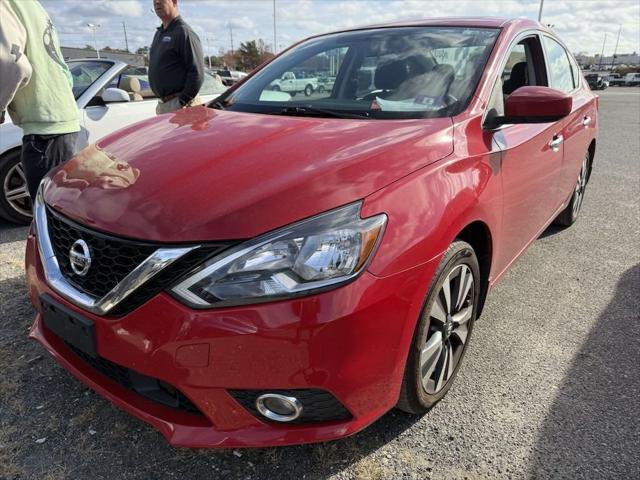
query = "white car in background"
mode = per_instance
[{"x": 110, "y": 95}]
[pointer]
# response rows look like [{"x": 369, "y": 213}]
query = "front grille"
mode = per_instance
[
  {"x": 148, "y": 387},
  {"x": 112, "y": 259},
  {"x": 317, "y": 405}
]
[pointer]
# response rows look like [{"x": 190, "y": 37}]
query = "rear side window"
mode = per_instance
[{"x": 559, "y": 66}]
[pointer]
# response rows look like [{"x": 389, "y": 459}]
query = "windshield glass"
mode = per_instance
[
  {"x": 85, "y": 73},
  {"x": 406, "y": 72}
]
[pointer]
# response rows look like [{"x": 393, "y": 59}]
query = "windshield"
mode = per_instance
[
  {"x": 85, "y": 73},
  {"x": 406, "y": 72}
]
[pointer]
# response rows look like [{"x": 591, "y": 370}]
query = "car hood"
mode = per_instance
[{"x": 203, "y": 174}]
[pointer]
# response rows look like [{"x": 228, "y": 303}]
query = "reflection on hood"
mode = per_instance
[{"x": 93, "y": 167}]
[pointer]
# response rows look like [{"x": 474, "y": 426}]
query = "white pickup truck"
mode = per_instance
[
  {"x": 292, "y": 85},
  {"x": 632, "y": 79}
]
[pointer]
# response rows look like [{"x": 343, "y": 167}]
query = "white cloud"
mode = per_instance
[{"x": 580, "y": 23}]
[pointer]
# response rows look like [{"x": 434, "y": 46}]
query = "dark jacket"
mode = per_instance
[{"x": 176, "y": 62}]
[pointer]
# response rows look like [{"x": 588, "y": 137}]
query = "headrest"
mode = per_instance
[
  {"x": 518, "y": 71},
  {"x": 130, "y": 84},
  {"x": 391, "y": 74}
]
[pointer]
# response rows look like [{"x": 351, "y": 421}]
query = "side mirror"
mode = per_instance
[
  {"x": 115, "y": 95},
  {"x": 535, "y": 105}
]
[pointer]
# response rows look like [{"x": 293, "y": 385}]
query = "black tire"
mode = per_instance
[
  {"x": 19, "y": 209},
  {"x": 320, "y": 89},
  {"x": 308, "y": 90},
  {"x": 275, "y": 88},
  {"x": 569, "y": 215},
  {"x": 414, "y": 395},
  {"x": 293, "y": 94}
]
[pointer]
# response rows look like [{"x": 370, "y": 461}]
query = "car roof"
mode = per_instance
[{"x": 482, "y": 22}]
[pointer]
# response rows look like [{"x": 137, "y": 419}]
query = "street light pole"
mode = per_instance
[
  {"x": 540, "y": 11},
  {"x": 615, "y": 50},
  {"x": 93, "y": 27},
  {"x": 602, "y": 53},
  {"x": 275, "y": 45}
]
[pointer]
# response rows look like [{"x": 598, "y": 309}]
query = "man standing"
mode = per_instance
[
  {"x": 36, "y": 89},
  {"x": 176, "y": 63}
]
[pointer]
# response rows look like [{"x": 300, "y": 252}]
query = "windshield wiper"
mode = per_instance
[
  {"x": 218, "y": 104},
  {"x": 309, "y": 110}
]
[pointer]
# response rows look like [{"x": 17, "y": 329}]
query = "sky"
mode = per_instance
[{"x": 581, "y": 24}]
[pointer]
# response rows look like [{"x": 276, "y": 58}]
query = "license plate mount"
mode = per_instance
[{"x": 74, "y": 329}]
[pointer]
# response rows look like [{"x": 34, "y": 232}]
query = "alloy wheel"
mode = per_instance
[
  {"x": 15, "y": 190},
  {"x": 581, "y": 185},
  {"x": 449, "y": 319}
]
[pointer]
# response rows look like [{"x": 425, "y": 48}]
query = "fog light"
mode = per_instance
[{"x": 279, "y": 408}]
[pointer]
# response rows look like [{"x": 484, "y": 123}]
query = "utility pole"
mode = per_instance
[
  {"x": 540, "y": 11},
  {"x": 275, "y": 45},
  {"x": 126, "y": 41},
  {"x": 615, "y": 50},
  {"x": 208, "y": 51},
  {"x": 602, "y": 53},
  {"x": 231, "y": 34}
]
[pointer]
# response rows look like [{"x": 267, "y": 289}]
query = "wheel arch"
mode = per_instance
[{"x": 478, "y": 235}]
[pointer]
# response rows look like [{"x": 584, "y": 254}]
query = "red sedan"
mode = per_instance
[{"x": 276, "y": 269}]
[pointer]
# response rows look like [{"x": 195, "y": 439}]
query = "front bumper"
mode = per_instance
[{"x": 351, "y": 342}]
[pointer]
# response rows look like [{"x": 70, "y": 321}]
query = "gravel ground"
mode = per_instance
[{"x": 549, "y": 388}]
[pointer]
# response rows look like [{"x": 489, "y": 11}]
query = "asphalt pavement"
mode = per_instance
[{"x": 550, "y": 387}]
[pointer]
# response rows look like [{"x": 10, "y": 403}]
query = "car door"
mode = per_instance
[
  {"x": 564, "y": 75},
  {"x": 531, "y": 156},
  {"x": 101, "y": 120}
]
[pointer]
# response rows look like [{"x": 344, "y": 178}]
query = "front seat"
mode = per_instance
[
  {"x": 435, "y": 84},
  {"x": 388, "y": 78},
  {"x": 517, "y": 78},
  {"x": 131, "y": 85}
]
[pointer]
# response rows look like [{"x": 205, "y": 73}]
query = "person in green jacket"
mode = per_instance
[{"x": 36, "y": 88}]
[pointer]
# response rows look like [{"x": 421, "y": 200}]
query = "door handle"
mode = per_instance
[
  {"x": 586, "y": 121},
  {"x": 556, "y": 142}
]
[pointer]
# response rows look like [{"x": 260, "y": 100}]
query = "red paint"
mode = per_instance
[
  {"x": 204, "y": 174},
  {"x": 531, "y": 102}
]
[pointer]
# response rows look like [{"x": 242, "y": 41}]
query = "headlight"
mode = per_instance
[{"x": 313, "y": 254}]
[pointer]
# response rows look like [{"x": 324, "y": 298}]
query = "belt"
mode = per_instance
[{"x": 169, "y": 97}]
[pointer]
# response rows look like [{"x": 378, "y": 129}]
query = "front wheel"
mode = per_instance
[
  {"x": 443, "y": 331},
  {"x": 308, "y": 90},
  {"x": 15, "y": 202},
  {"x": 570, "y": 214}
]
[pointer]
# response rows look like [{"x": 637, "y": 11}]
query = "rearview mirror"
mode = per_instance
[
  {"x": 115, "y": 95},
  {"x": 535, "y": 105}
]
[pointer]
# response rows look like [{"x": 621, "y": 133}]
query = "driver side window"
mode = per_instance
[{"x": 524, "y": 67}]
